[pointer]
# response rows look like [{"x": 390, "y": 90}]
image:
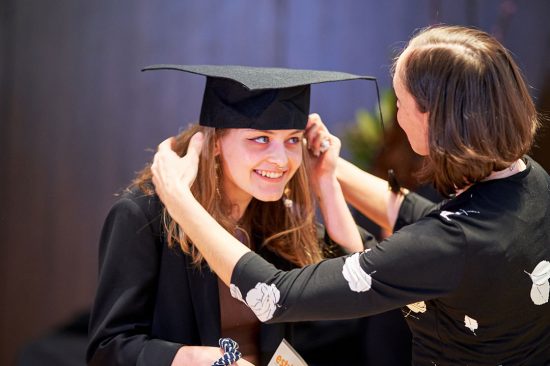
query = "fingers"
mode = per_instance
[
  {"x": 170, "y": 170},
  {"x": 195, "y": 146},
  {"x": 324, "y": 146},
  {"x": 314, "y": 119},
  {"x": 315, "y": 133},
  {"x": 166, "y": 145},
  {"x": 318, "y": 137}
]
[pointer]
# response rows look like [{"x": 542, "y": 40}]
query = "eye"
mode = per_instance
[
  {"x": 294, "y": 140},
  {"x": 260, "y": 139}
]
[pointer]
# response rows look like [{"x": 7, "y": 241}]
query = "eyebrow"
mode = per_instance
[{"x": 272, "y": 132}]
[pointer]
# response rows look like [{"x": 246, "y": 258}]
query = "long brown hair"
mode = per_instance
[
  {"x": 288, "y": 232},
  {"x": 481, "y": 116}
]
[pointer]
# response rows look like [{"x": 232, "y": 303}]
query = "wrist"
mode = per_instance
[
  {"x": 327, "y": 183},
  {"x": 179, "y": 202}
]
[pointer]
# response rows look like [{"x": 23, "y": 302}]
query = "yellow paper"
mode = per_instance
[{"x": 285, "y": 355}]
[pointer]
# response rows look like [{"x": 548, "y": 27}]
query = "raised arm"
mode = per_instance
[
  {"x": 173, "y": 177},
  {"x": 383, "y": 278},
  {"x": 337, "y": 217},
  {"x": 369, "y": 194}
]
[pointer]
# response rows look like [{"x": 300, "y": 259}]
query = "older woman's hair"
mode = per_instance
[
  {"x": 290, "y": 233},
  {"x": 481, "y": 116}
]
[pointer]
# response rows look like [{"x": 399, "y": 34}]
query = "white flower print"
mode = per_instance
[
  {"x": 418, "y": 307},
  {"x": 235, "y": 292},
  {"x": 262, "y": 300},
  {"x": 470, "y": 323},
  {"x": 446, "y": 214},
  {"x": 358, "y": 280},
  {"x": 540, "y": 276}
]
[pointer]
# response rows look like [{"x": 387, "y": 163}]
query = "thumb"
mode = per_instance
[{"x": 166, "y": 145}]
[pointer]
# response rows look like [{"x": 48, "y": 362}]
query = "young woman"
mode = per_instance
[
  {"x": 472, "y": 273},
  {"x": 157, "y": 301}
]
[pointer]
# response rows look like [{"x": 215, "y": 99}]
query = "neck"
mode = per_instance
[
  {"x": 237, "y": 211},
  {"x": 514, "y": 168},
  {"x": 236, "y": 199},
  {"x": 237, "y": 206}
]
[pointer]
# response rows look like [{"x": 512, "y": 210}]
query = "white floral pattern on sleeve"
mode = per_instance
[
  {"x": 470, "y": 323},
  {"x": 418, "y": 307},
  {"x": 540, "y": 276},
  {"x": 358, "y": 279},
  {"x": 236, "y": 292},
  {"x": 263, "y": 300},
  {"x": 446, "y": 214}
]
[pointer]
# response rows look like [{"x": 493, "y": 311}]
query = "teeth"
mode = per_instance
[{"x": 268, "y": 174}]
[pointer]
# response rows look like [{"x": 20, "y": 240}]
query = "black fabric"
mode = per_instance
[
  {"x": 461, "y": 271},
  {"x": 259, "y": 98},
  {"x": 151, "y": 300},
  {"x": 227, "y": 104}
]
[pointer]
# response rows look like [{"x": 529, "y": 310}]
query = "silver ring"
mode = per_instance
[{"x": 325, "y": 144}]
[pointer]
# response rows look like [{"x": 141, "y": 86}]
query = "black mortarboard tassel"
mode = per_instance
[{"x": 260, "y": 98}]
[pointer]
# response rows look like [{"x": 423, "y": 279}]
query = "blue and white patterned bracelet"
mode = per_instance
[{"x": 231, "y": 352}]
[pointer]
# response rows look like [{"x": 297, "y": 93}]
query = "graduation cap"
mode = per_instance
[{"x": 260, "y": 98}]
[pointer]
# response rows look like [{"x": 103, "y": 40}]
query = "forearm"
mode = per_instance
[
  {"x": 338, "y": 220},
  {"x": 220, "y": 249},
  {"x": 314, "y": 292},
  {"x": 369, "y": 194}
]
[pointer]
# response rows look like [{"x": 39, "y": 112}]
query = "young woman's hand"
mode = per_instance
[
  {"x": 173, "y": 175},
  {"x": 201, "y": 356}
]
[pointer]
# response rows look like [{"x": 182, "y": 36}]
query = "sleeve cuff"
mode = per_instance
[
  {"x": 158, "y": 353},
  {"x": 405, "y": 216},
  {"x": 412, "y": 209}
]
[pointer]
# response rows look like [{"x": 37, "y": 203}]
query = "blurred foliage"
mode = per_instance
[{"x": 364, "y": 137}]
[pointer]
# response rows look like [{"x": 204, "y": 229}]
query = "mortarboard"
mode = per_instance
[{"x": 260, "y": 98}]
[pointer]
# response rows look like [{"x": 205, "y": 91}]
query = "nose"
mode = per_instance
[{"x": 278, "y": 155}]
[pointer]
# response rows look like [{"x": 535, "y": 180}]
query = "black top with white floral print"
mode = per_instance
[{"x": 471, "y": 275}]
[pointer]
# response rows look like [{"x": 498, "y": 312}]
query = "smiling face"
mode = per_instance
[
  {"x": 410, "y": 118},
  {"x": 258, "y": 163}
]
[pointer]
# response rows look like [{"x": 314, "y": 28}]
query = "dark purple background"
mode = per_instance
[{"x": 77, "y": 115}]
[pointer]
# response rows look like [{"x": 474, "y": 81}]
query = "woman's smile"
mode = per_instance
[
  {"x": 258, "y": 163},
  {"x": 270, "y": 175}
]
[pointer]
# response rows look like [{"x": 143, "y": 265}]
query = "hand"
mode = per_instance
[
  {"x": 172, "y": 174},
  {"x": 201, "y": 356},
  {"x": 323, "y": 147}
]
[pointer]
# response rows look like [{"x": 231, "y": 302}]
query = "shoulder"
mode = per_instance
[
  {"x": 535, "y": 170},
  {"x": 135, "y": 205},
  {"x": 149, "y": 204},
  {"x": 438, "y": 239}
]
